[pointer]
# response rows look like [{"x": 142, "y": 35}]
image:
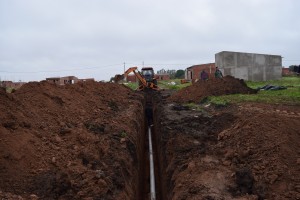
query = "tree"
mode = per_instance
[{"x": 179, "y": 73}]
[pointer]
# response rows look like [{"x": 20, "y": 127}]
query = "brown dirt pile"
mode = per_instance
[
  {"x": 212, "y": 87},
  {"x": 265, "y": 141},
  {"x": 69, "y": 142}
]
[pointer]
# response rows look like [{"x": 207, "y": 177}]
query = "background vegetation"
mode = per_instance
[{"x": 291, "y": 95}]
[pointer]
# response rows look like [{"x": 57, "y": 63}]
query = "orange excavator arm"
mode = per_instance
[
  {"x": 139, "y": 76},
  {"x": 128, "y": 71}
]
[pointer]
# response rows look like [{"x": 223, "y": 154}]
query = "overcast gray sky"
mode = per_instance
[{"x": 93, "y": 38}]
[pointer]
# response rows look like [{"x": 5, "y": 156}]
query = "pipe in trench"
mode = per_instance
[{"x": 152, "y": 175}]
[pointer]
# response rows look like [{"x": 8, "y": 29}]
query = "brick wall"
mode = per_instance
[
  {"x": 131, "y": 78},
  {"x": 162, "y": 76},
  {"x": 194, "y": 71}
]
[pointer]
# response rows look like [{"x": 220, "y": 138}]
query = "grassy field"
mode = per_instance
[
  {"x": 166, "y": 84},
  {"x": 291, "y": 95},
  {"x": 172, "y": 84}
]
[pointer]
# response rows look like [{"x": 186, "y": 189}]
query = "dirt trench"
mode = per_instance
[
  {"x": 85, "y": 142},
  {"x": 220, "y": 153},
  {"x": 144, "y": 171},
  {"x": 183, "y": 136}
]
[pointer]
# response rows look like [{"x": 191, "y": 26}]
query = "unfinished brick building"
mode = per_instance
[
  {"x": 193, "y": 73},
  {"x": 67, "y": 80}
]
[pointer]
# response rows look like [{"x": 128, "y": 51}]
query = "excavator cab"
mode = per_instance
[{"x": 148, "y": 74}]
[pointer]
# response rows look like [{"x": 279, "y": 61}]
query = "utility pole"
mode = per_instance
[
  {"x": 124, "y": 72},
  {"x": 124, "y": 67}
]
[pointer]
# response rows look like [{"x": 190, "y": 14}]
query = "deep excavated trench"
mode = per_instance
[
  {"x": 170, "y": 159},
  {"x": 145, "y": 187}
]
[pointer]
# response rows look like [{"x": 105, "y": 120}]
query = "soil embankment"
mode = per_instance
[{"x": 70, "y": 142}]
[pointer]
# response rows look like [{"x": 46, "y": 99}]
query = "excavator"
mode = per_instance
[{"x": 146, "y": 78}]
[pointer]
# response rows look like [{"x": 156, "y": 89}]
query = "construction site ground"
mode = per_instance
[{"x": 89, "y": 140}]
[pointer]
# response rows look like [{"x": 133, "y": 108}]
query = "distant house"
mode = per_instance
[
  {"x": 131, "y": 78},
  {"x": 193, "y": 73},
  {"x": 67, "y": 80},
  {"x": 286, "y": 72},
  {"x": 7, "y": 84},
  {"x": 162, "y": 76},
  {"x": 10, "y": 84}
]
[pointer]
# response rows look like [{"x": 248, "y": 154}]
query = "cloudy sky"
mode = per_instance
[{"x": 93, "y": 38}]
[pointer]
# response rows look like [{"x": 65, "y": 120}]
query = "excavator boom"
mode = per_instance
[{"x": 143, "y": 82}]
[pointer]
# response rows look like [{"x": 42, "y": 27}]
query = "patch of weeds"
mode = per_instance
[
  {"x": 123, "y": 134},
  {"x": 131, "y": 85},
  {"x": 174, "y": 87},
  {"x": 218, "y": 101},
  {"x": 10, "y": 90}
]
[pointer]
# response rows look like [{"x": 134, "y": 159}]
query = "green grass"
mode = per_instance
[
  {"x": 289, "y": 96},
  {"x": 132, "y": 85},
  {"x": 169, "y": 84},
  {"x": 285, "y": 81},
  {"x": 10, "y": 90},
  {"x": 165, "y": 84}
]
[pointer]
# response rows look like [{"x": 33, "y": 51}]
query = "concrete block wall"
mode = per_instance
[{"x": 250, "y": 66}]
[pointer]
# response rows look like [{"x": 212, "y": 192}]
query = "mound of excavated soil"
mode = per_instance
[
  {"x": 212, "y": 87},
  {"x": 265, "y": 141},
  {"x": 70, "y": 142}
]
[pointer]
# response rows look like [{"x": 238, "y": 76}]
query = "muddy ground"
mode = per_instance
[{"x": 88, "y": 141}]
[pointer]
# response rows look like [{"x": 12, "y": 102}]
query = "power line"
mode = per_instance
[
  {"x": 86, "y": 68},
  {"x": 96, "y": 67}
]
